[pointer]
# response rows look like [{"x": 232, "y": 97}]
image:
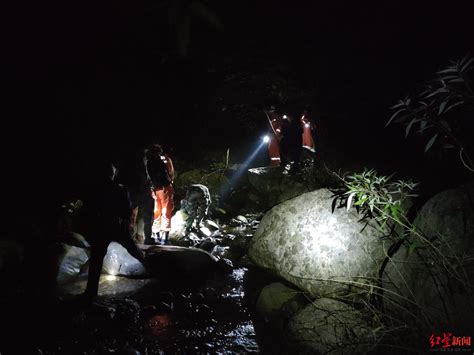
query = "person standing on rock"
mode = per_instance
[
  {"x": 291, "y": 144},
  {"x": 160, "y": 172},
  {"x": 106, "y": 216},
  {"x": 274, "y": 137},
  {"x": 307, "y": 126}
]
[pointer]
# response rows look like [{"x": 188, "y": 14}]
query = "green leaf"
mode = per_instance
[
  {"x": 349, "y": 200},
  {"x": 454, "y": 105},
  {"x": 449, "y": 70},
  {"x": 430, "y": 142},
  {"x": 412, "y": 248},
  {"x": 221, "y": 210},
  {"x": 442, "y": 107},
  {"x": 333, "y": 205},
  {"x": 393, "y": 116},
  {"x": 399, "y": 104},
  {"x": 409, "y": 126},
  {"x": 465, "y": 66},
  {"x": 423, "y": 124},
  {"x": 436, "y": 92}
]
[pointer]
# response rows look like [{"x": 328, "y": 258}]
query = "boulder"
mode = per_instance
[
  {"x": 171, "y": 261},
  {"x": 327, "y": 326},
  {"x": 68, "y": 261},
  {"x": 321, "y": 252},
  {"x": 277, "y": 300},
  {"x": 118, "y": 261},
  {"x": 178, "y": 225},
  {"x": 429, "y": 274}
]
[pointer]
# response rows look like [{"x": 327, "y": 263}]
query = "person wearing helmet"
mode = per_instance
[
  {"x": 274, "y": 137},
  {"x": 160, "y": 173}
]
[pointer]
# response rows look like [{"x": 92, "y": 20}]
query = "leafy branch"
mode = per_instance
[
  {"x": 436, "y": 109},
  {"x": 376, "y": 197}
]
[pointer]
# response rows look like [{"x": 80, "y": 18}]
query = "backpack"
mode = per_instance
[{"x": 157, "y": 172}]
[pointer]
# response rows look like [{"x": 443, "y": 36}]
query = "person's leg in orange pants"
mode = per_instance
[
  {"x": 165, "y": 196},
  {"x": 156, "y": 215}
]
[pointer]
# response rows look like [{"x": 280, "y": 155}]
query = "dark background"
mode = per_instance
[{"x": 106, "y": 78}]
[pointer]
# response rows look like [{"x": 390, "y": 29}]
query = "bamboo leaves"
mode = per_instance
[
  {"x": 436, "y": 110},
  {"x": 376, "y": 197}
]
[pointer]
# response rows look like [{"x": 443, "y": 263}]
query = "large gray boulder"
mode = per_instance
[
  {"x": 118, "y": 261},
  {"x": 435, "y": 278},
  {"x": 321, "y": 252},
  {"x": 327, "y": 326}
]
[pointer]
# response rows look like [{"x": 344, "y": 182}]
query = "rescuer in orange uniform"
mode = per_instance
[
  {"x": 274, "y": 138},
  {"x": 160, "y": 173},
  {"x": 277, "y": 144},
  {"x": 308, "y": 141}
]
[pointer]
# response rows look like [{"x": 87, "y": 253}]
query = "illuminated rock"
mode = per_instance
[
  {"x": 69, "y": 260},
  {"x": 321, "y": 252},
  {"x": 118, "y": 261}
]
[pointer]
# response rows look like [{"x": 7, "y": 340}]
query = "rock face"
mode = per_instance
[
  {"x": 321, "y": 252},
  {"x": 328, "y": 326},
  {"x": 118, "y": 261},
  {"x": 430, "y": 276}
]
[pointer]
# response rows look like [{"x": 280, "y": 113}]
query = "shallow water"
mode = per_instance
[{"x": 181, "y": 315}]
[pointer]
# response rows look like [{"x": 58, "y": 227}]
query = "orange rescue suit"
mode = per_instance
[
  {"x": 274, "y": 142},
  {"x": 163, "y": 197},
  {"x": 308, "y": 141}
]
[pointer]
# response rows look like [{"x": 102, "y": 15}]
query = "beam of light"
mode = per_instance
[
  {"x": 111, "y": 277},
  {"x": 266, "y": 139},
  {"x": 241, "y": 170}
]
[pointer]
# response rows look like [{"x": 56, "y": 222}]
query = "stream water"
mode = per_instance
[{"x": 151, "y": 316}]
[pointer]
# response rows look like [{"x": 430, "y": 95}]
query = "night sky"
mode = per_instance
[{"x": 106, "y": 78}]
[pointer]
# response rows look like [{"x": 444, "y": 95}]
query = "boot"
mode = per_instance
[
  {"x": 154, "y": 239},
  {"x": 164, "y": 237}
]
